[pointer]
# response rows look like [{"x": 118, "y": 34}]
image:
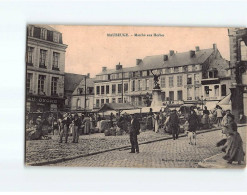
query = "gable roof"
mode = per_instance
[
  {"x": 89, "y": 83},
  {"x": 176, "y": 60},
  {"x": 71, "y": 81}
]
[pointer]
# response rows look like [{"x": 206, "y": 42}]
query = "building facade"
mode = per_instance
[
  {"x": 188, "y": 76},
  {"x": 238, "y": 67},
  {"x": 81, "y": 99},
  {"x": 45, "y": 63}
]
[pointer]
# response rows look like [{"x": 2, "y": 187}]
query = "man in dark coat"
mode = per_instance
[
  {"x": 134, "y": 131},
  {"x": 193, "y": 121},
  {"x": 173, "y": 124}
]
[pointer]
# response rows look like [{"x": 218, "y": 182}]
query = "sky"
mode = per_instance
[{"x": 89, "y": 47}]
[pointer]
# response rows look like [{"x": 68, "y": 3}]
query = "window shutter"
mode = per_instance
[{"x": 36, "y": 32}]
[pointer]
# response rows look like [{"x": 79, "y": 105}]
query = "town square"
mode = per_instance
[{"x": 176, "y": 106}]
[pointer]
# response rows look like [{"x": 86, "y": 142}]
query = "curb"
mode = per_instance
[{"x": 58, "y": 160}]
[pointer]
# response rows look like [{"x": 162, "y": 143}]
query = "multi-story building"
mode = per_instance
[
  {"x": 187, "y": 76},
  {"x": 81, "y": 99},
  {"x": 71, "y": 81},
  {"x": 45, "y": 63},
  {"x": 238, "y": 67}
]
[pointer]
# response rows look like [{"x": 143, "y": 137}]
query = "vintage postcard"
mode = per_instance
[{"x": 135, "y": 96}]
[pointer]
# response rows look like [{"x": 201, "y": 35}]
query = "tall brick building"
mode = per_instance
[{"x": 45, "y": 63}]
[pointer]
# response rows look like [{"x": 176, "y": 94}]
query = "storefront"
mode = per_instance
[{"x": 44, "y": 104}]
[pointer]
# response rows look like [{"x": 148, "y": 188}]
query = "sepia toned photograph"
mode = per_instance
[{"x": 135, "y": 96}]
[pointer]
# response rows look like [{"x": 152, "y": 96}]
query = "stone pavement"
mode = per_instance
[
  {"x": 42, "y": 151},
  {"x": 165, "y": 154}
]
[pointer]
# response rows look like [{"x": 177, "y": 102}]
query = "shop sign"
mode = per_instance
[{"x": 42, "y": 100}]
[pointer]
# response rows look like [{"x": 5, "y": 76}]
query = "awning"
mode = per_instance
[
  {"x": 116, "y": 107},
  {"x": 226, "y": 103}
]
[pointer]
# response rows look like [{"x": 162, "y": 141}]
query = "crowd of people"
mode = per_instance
[{"x": 169, "y": 121}]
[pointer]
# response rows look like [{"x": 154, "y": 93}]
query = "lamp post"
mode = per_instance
[{"x": 202, "y": 101}]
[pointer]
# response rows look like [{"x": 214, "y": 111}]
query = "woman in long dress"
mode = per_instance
[
  {"x": 234, "y": 144},
  {"x": 156, "y": 123}
]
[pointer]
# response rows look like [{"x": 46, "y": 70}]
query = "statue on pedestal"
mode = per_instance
[{"x": 156, "y": 80}]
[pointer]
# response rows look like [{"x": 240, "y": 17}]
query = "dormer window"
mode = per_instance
[{"x": 43, "y": 34}]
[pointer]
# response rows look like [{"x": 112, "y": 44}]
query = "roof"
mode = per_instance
[
  {"x": 44, "y": 26},
  {"x": 116, "y": 106},
  {"x": 71, "y": 81},
  {"x": 176, "y": 60}
]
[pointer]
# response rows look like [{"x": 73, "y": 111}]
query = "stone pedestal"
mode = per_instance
[{"x": 156, "y": 93}]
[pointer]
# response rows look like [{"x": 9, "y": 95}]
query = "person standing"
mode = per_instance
[
  {"x": 65, "y": 128},
  {"x": 193, "y": 121},
  {"x": 156, "y": 123},
  {"x": 150, "y": 125},
  {"x": 219, "y": 115},
  {"x": 234, "y": 144},
  {"x": 77, "y": 124},
  {"x": 134, "y": 131},
  {"x": 86, "y": 123},
  {"x": 111, "y": 119},
  {"x": 173, "y": 124}
]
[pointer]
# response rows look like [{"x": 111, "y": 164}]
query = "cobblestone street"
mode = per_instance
[
  {"x": 44, "y": 150},
  {"x": 167, "y": 153}
]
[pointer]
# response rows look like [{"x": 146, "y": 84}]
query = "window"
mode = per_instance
[
  {"x": 78, "y": 104},
  {"x": 163, "y": 82},
  {"x": 126, "y": 87},
  {"x": 185, "y": 68},
  {"x": 56, "y": 37},
  {"x": 102, "y": 89},
  {"x": 170, "y": 81},
  {"x": 41, "y": 84},
  {"x": 29, "y": 82},
  {"x": 197, "y": 79},
  {"x": 179, "y": 81},
  {"x": 55, "y": 60},
  {"x": 216, "y": 90},
  {"x": 189, "y": 93},
  {"x": 54, "y": 81},
  {"x": 102, "y": 102},
  {"x": 119, "y": 100},
  {"x": 30, "y": 55},
  {"x": 139, "y": 85},
  {"x": 113, "y": 89},
  {"x": 171, "y": 95},
  {"x": 107, "y": 101},
  {"x": 206, "y": 89},
  {"x": 97, "y": 103},
  {"x": 42, "y": 58},
  {"x": 197, "y": 93},
  {"x": 189, "y": 80},
  {"x": 243, "y": 51},
  {"x": 148, "y": 73},
  {"x": 210, "y": 74},
  {"x": 43, "y": 34},
  {"x": 223, "y": 90},
  {"x": 133, "y": 85},
  {"x": 119, "y": 88},
  {"x": 107, "y": 89},
  {"x": 113, "y": 100},
  {"x": 176, "y": 69},
  {"x": 80, "y": 91},
  {"x": 98, "y": 90},
  {"x": 147, "y": 84},
  {"x": 180, "y": 96}
]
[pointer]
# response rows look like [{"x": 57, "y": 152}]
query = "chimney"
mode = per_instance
[
  {"x": 119, "y": 66},
  {"x": 171, "y": 52},
  {"x": 197, "y": 48},
  {"x": 165, "y": 57},
  {"x": 214, "y": 46},
  {"x": 192, "y": 53},
  {"x": 138, "y": 61},
  {"x": 104, "y": 69},
  {"x": 88, "y": 75}
]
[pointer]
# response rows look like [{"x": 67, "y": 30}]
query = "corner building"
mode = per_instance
[{"x": 45, "y": 64}]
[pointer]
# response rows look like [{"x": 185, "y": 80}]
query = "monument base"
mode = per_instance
[{"x": 157, "y": 101}]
